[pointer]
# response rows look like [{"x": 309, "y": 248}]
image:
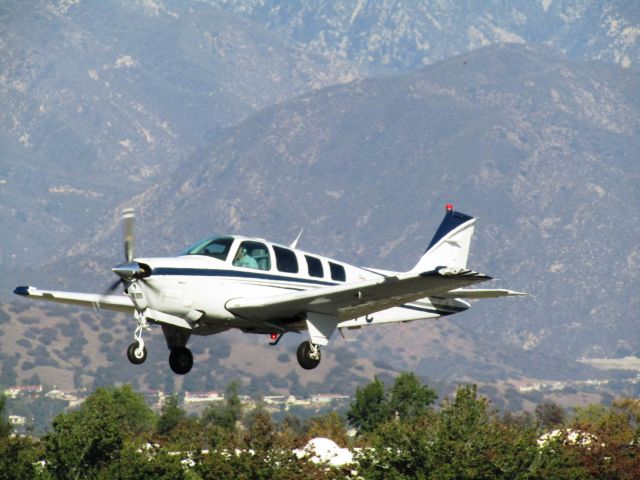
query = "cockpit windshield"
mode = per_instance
[{"x": 216, "y": 247}]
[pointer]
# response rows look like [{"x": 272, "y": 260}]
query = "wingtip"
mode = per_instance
[{"x": 22, "y": 290}]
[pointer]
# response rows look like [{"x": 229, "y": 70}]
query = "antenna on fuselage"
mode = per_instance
[{"x": 295, "y": 242}]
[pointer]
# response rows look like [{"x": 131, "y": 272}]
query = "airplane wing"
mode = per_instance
[
  {"x": 353, "y": 300},
  {"x": 118, "y": 303}
]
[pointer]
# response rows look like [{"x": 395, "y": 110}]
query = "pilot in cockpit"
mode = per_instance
[{"x": 242, "y": 259}]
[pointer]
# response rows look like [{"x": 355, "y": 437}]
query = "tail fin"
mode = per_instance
[{"x": 450, "y": 245}]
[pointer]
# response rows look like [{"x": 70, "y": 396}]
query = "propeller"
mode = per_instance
[
  {"x": 128, "y": 220},
  {"x": 129, "y": 271}
]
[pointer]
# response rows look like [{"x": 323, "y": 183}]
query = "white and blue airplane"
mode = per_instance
[{"x": 261, "y": 287}]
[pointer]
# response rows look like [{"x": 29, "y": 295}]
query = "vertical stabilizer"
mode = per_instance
[{"x": 450, "y": 245}]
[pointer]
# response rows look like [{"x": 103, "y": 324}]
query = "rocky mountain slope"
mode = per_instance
[
  {"x": 100, "y": 100},
  {"x": 400, "y": 35}
]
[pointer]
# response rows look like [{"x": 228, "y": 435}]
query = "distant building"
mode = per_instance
[
  {"x": 17, "y": 420},
  {"x": 23, "y": 391},
  {"x": 324, "y": 398},
  {"x": 195, "y": 397}
]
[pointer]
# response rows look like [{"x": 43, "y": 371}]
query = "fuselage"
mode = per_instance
[{"x": 211, "y": 273}]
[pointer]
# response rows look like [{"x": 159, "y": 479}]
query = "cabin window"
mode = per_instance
[
  {"x": 252, "y": 255},
  {"x": 315, "y": 266},
  {"x": 337, "y": 272},
  {"x": 286, "y": 260},
  {"x": 217, "y": 247}
]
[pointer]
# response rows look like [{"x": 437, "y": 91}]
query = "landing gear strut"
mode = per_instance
[
  {"x": 181, "y": 360},
  {"x": 308, "y": 355},
  {"x": 136, "y": 352}
]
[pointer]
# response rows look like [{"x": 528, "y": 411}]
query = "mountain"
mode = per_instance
[
  {"x": 398, "y": 35},
  {"x": 541, "y": 148},
  {"x": 102, "y": 99},
  {"x": 210, "y": 118}
]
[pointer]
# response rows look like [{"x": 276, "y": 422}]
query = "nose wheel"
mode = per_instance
[
  {"x": 181, "y": 360},
  {"x": 308, "y": 355},
  {"x": 136, "y": 353}
]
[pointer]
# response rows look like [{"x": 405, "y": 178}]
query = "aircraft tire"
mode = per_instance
[
  {"x": 131, "y": 354},
  {"x": 304, "y": 356},
  {"x": 181, "y": 360}
]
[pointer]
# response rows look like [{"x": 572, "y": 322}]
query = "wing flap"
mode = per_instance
[
  {"x": 351, "y": 300},
  {"x": 481, "y": 293},
  {"x": 118, "y": 303}
]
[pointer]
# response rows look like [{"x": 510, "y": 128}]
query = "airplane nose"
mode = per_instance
[{"x": 131, "y": 270}]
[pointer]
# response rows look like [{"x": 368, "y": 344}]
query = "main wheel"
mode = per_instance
[
  {"x": 308, "y": 355},
  {"x": 136, "y": 355},
  {"x": 181, "y": 360}
]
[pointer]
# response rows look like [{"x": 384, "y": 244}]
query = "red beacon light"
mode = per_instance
[
  {"x": 274, "y": 336},
  {"x": 449, "y": 207}
]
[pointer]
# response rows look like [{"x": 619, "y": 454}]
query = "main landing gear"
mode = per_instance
[
  {"x": 308, "y": 355},
  {"x": 181, "y": 360}
]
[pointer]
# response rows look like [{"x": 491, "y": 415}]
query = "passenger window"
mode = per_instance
[
  {"x": 286, "y": 260},
  {"x": 337, "y": 272},
  {"x": 315, "y": 266},
  {"x": 252, "y": 255}
]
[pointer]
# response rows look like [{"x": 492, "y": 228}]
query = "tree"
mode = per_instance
[
  {"x": 226, "y": 415},
  {"x": 370, "y": 407},
  {"x": 135, "y": 416},
  {"x": 134, "y": 465},
  {"x": 332, "y": 425},
  {"x": 82, "y": 442},
  {"x": 170, "y": 416},
  {"x": 409, "y": 399},
  {"x": 549, "y": 415},
  {"x": 5, "y": 426},
  {"x": 18, "y": 457},
  {"x": 463, "y": 440}
]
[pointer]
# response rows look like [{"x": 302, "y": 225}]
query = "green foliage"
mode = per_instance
[
  {"x": 135, "y": 463},
  {"x": 550, "y": 415},
  {"x": 407, "y": 400},
  {"x": 462, "y": 441},
  {"x": 18, "y": 457},
  {"x": 5, "y": 426},
  {"x": 84, "y": 441},
  {"x": 106, "y": 438},
  {"x": 135, "y": 417},
  {"x": 370, "y": 408},
  {"x": 171, "y": 416},
  {"x": 331, "y": 425},
  {"x": 227, "y": 414}
]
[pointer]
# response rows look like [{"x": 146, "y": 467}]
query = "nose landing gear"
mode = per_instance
[{"x": 136, "y": 352}]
